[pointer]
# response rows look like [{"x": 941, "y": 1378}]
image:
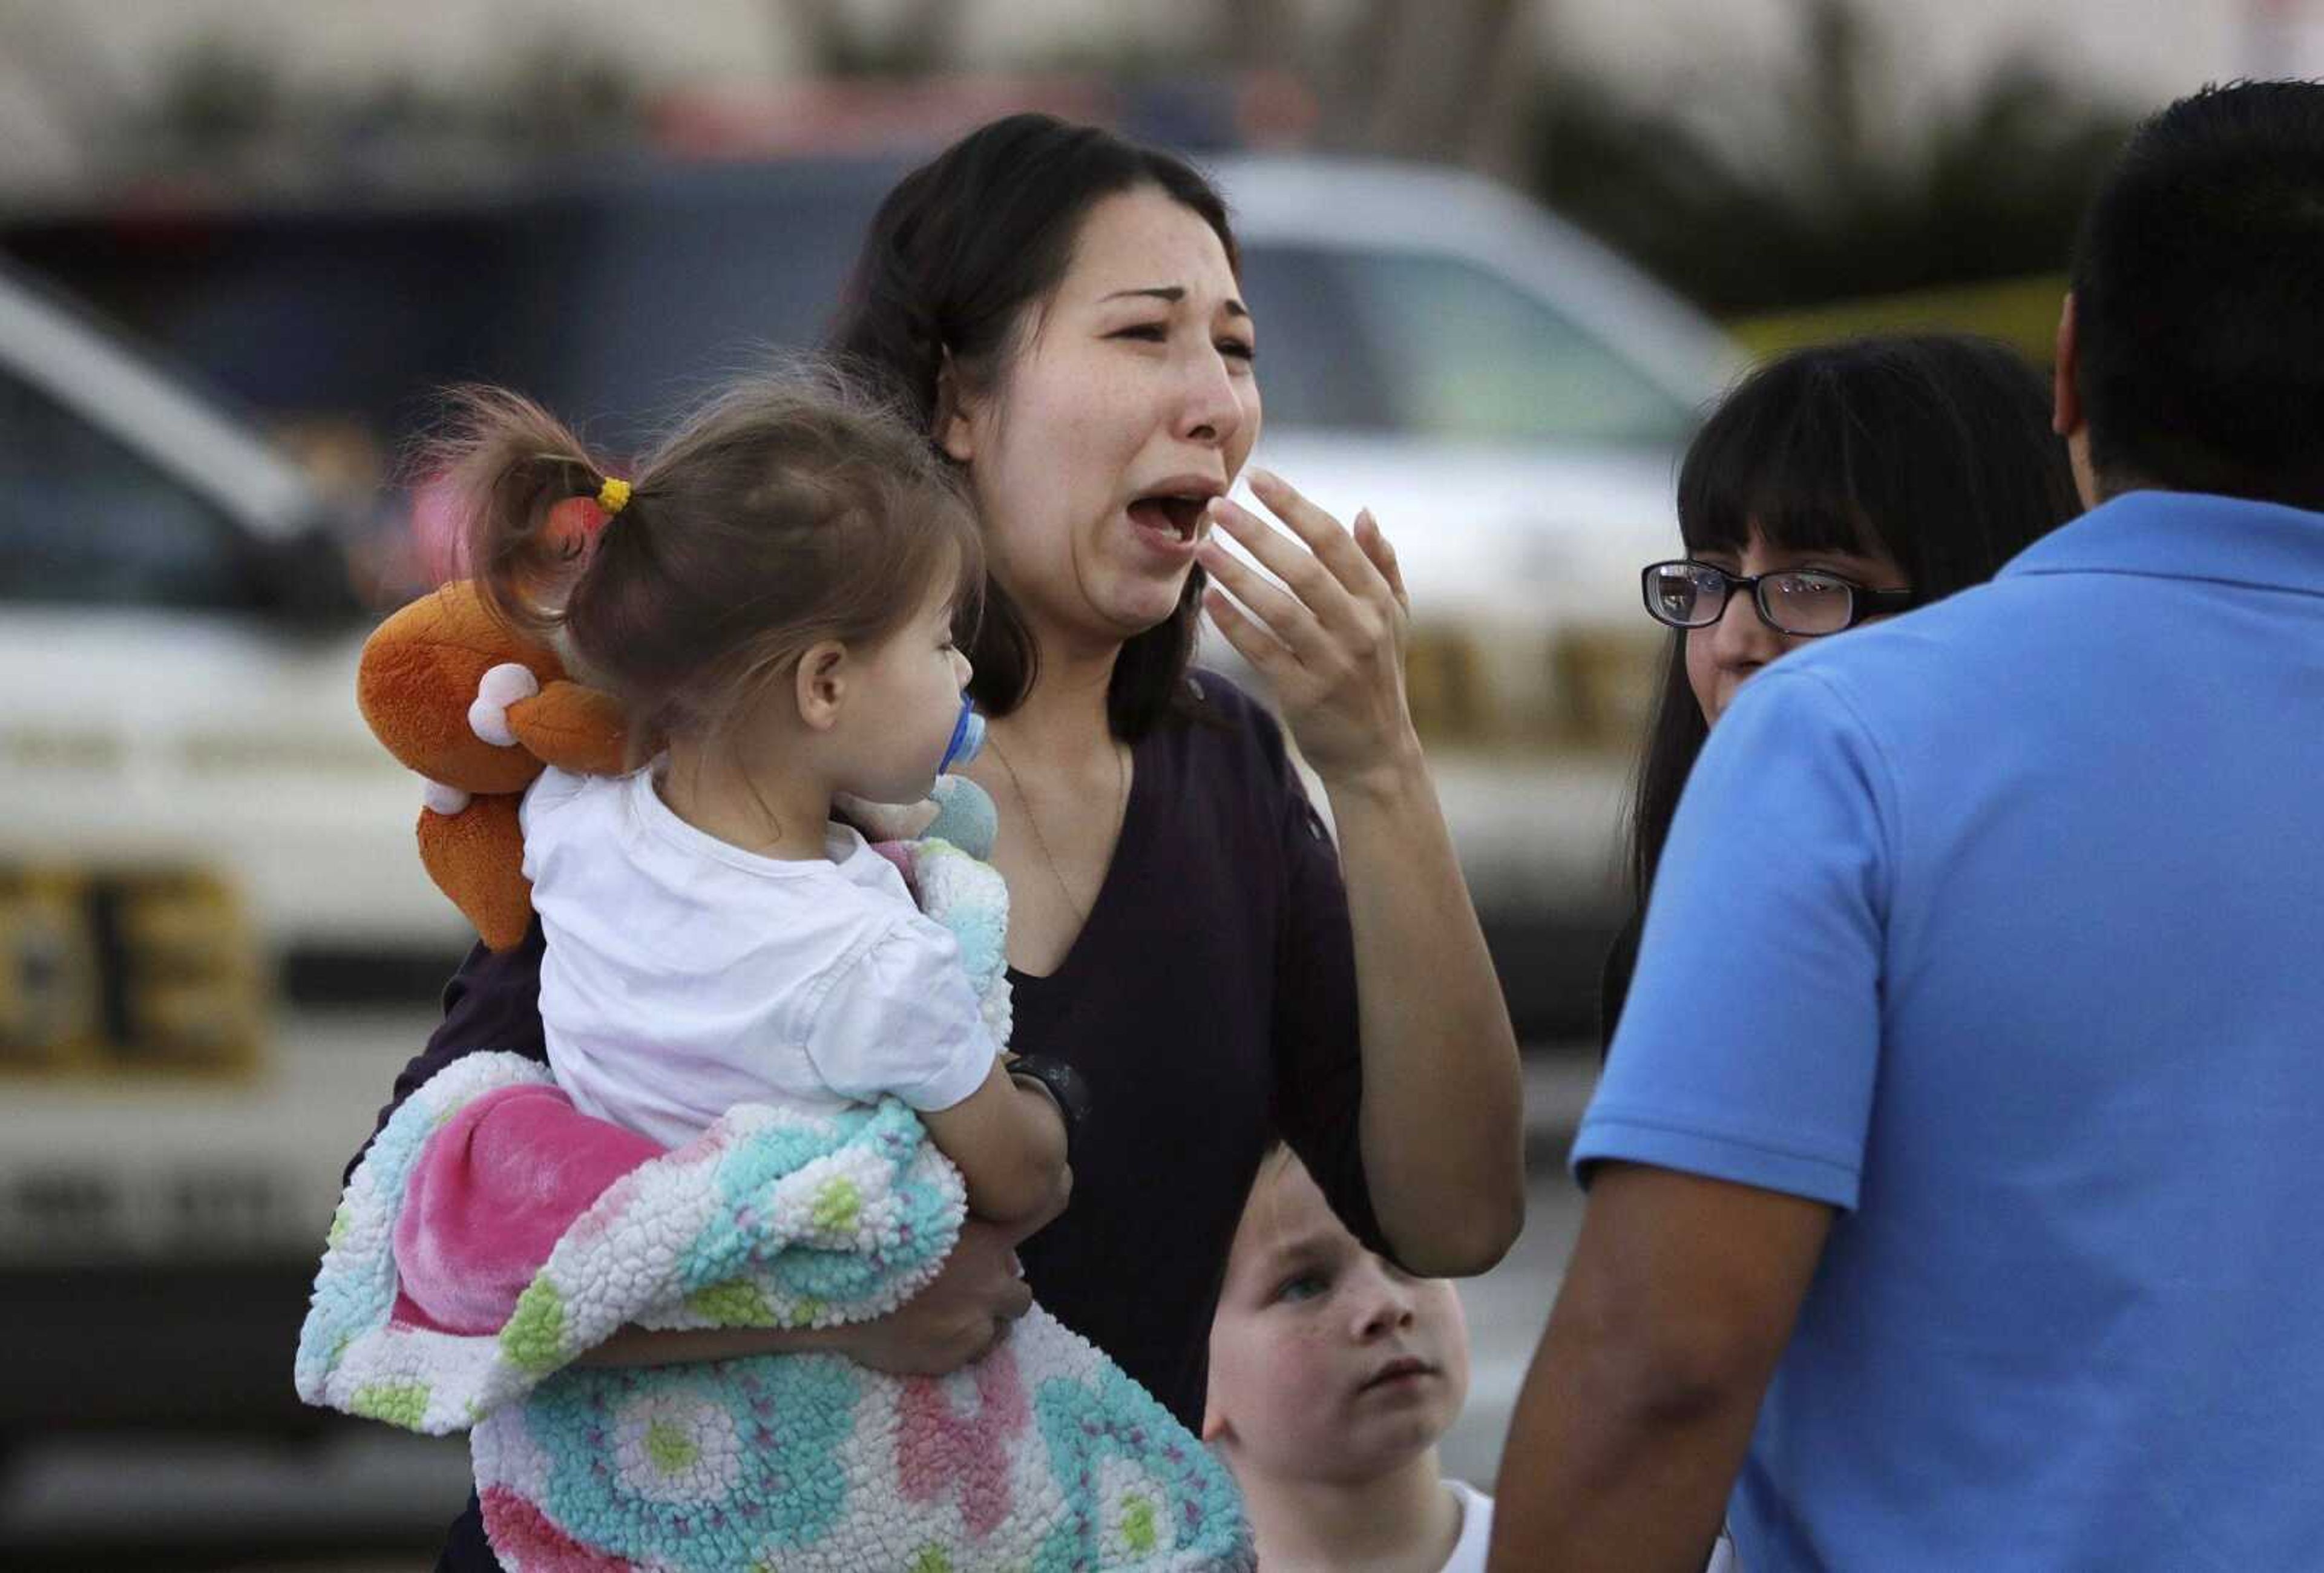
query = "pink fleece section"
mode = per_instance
[{"x": 493, "y": 1190}]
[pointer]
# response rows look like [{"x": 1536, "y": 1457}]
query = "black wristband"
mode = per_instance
[{"x": 1065, "y": 1085}]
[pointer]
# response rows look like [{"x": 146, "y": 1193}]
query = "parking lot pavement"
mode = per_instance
[
  {"x": 1508, "y": 1307},
  {"x": 355, "y": 1498}
]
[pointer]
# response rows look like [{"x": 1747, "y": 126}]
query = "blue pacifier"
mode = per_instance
[{"x": 967, "y": 736}]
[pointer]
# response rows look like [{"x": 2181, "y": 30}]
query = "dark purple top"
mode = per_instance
[{"x": 1211, "y": 1005}]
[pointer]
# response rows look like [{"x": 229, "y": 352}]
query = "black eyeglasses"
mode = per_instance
[{"x": 1805, "y": 603}]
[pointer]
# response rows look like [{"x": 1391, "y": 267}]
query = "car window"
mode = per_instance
[
  {"x": 1433, "y": 345},
  {"x": 85, "y": 520},
  {"x": 612, "y": 306},
  {"x": 1318, "y": 362}
]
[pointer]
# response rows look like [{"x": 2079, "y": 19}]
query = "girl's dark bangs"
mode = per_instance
[{"x": 1770, "y": 462}]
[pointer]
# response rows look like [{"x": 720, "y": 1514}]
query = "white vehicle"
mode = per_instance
[
  {"x": 178, "y": 644},
  {"x": 177, "y": 649},
  {"x": 183, "y": 772},
  {"x": 190, "y": 805}
]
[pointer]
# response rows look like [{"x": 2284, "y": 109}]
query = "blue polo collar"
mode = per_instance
[{"x": 2190, "y": 535}]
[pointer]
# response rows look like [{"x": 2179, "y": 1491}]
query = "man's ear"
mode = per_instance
[
  {"x": 2068, "y": 419},
  {"x": 2066, "y": 398},
  {"x": 954, "y": 432},
  {"x": 821, "y": 681}
]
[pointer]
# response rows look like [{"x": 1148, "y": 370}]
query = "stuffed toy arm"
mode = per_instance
[{"x": 580, "y": 730}]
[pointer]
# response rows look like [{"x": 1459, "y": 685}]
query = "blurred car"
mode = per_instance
[
  {"x": 178, "y": 646},
  {"x": 192, "y": 813},
  {"x": 1507, "y": 397}
]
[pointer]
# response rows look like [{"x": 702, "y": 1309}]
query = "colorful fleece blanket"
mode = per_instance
[{"x": 1043, "y": 1456}]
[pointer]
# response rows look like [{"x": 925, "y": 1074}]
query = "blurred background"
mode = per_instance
[{"x": 1503, "y": 250}]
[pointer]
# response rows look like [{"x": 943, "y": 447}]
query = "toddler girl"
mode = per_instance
[{"x": 773, "y": 598}]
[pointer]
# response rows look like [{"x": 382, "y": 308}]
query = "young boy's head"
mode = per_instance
[{"x": 1328, "y": 1364}]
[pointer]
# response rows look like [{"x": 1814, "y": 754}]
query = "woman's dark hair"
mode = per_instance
[
  {"x": 1934, "y": 449},
  {"x": 960, "y": 256},
  {"x": 2198, "y": 299},
  {"x": 789, "y": 510}
]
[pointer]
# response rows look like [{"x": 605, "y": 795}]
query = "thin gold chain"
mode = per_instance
[{"x": 1033, "y": 821}]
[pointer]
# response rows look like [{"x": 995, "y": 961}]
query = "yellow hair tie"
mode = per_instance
[{"x": 613, "y": 496}]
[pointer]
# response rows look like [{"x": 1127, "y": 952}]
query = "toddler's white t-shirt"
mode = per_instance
[{"x": 684, "y": 975}]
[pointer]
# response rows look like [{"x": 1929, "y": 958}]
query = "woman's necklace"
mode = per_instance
[{"x": 1120, "y": 806}]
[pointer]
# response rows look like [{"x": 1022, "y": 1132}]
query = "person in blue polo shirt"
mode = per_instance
[{"x": 1957, "y": 1178}]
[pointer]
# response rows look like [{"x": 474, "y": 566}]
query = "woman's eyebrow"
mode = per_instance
[{"x": 1174, "y": 293}]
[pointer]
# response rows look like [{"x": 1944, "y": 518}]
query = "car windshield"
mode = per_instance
[
  {"x": 85, "y": 520},
  {"x": 612, "y": 306},
  {"x": 1434, "y": 345}
]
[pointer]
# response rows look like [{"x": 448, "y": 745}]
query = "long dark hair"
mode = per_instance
[
  {"x": 959, "y": 253},
  {"x": 787, "y": 510},
  {"x": 1934, "y": 449}
]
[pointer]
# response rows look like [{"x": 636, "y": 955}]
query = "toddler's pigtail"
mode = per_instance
[{"x": 513, "y": 468}]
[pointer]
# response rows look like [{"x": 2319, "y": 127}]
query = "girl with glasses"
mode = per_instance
[{"x": 1835, "y": 484}]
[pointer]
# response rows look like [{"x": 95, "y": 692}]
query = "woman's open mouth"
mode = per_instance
[{"x": 1171, "y": 521}]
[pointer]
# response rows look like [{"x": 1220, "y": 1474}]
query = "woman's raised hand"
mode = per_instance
[{"x": 1329, "y": 639}]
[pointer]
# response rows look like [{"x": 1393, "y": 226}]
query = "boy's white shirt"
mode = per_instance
[
  {"x": 684, "y": 975},
  {"x": 1477, "y": 1534},
  {"x": 1476, "y": 1528}
]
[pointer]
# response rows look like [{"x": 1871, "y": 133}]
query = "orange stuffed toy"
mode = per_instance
[{"x": 478, "y": 711}]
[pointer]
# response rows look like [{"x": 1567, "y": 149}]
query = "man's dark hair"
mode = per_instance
[{"x": 2199, "y": 300}]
